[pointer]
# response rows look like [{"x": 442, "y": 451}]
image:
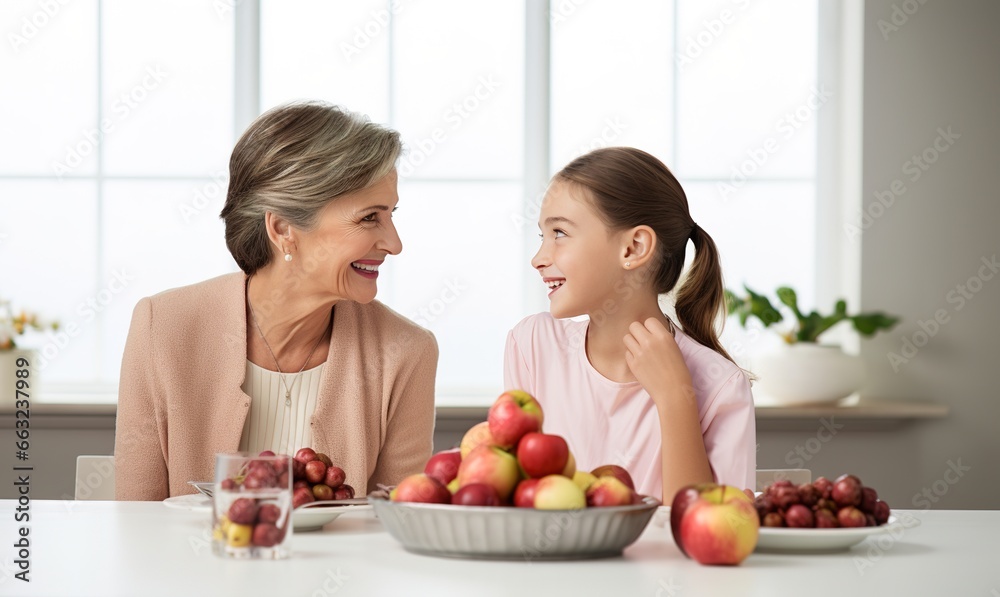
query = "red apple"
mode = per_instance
[
  {"x": 302, "y": 495},
  {"x": 524, "y": 494},
  {"x": 422, "y": 489},
  {"x": 557, "y": 492},
  {"x": 305, "y": 455},
  {"x": 315, "y": 471},
  {"x": 613, "y": 470},
  {"x": 443, "y": 466},
  {"x": 684, "y": 497},
  {"x": 720, "y": 526},
  {"x": 476, "y": 494},
  {"x": 541, "y": 454},
  {"x": 335, "y": 477},
  {"x": 477, "y": 435},
  {"x": 512, "y": 415},
  {"x": 490, "y": 465},
  {"x": 344, "y": 492},
  {"x": 609, "y": 491}
]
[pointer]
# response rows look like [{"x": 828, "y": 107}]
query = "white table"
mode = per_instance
[{"x": 145, "y": 548}]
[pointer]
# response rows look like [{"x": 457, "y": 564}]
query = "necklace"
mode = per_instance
[{"x": 281, "y": 374}]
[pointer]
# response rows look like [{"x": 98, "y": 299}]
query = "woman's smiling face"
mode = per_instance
[
  {"x": 351, "y": 239},
  {"x": 578, "y": 259}
]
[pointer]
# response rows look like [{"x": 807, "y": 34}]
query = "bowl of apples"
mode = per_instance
[
  {"x": 316, "y": 480},
  {"x": 511, "y": 492},
  {"x": 822, "y": 516}
]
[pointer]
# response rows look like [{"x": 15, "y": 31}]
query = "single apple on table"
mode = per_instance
[
  {"x": 443, "y": 466},
  {"x": 541, "y": 454},
  {"x": 718, "y": 524},
  {"x": 512, "y": 415},
  {"x": 493, "y": 466},
  {"x": 557, "y": 492},
  {"x": 613, "y": 470},
  {"x": 477, "y": 435},
  {"x": 609, "y": 491},
  {"x": 421, "y": 488}
]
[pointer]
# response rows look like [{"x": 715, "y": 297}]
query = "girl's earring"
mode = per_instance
[
  {"x": 288, "y": 256},
  {"x": 627, "y": 264}
]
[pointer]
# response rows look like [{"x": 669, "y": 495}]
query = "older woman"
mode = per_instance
[{"x": 294, "y": 351}]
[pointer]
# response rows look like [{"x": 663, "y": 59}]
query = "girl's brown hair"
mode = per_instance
[{"x": 630, "y": 188}]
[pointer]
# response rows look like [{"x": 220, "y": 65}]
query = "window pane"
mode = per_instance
[
  {"x": 332, "y": 51},
  {"x": 49, "y": 65},
  {"x": 458, "y": 89},
  {"x": 611, "y": 77},
  {"x": 48, "y": 262},
  {"x": 168, "y": 87},
  {"x": 156, "y": 238},
  {"x": 460, "y": 276},
  {"x": 747, "y": 90}
]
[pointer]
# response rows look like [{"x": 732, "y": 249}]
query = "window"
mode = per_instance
[{"x": 113, "y": 187}]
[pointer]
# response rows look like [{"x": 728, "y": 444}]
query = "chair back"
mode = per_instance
[
  {"x": 95, "y": 478},
  {"x": 767, "y": 476}
]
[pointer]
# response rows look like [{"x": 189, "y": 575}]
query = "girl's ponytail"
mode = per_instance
[{"x": 700, "y": 299}]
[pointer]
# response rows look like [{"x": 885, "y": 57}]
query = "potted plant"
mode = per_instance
[
  {"x": 12, "y": 325},
  {"x": 806, "y": 371}
]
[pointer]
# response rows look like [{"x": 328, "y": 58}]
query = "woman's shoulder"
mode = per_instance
[
  {"x": 198, "y": 300},
  {"x": 383, "y": 320}
]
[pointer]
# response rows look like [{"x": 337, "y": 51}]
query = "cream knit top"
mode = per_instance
[{"x": 272, "y": 424}]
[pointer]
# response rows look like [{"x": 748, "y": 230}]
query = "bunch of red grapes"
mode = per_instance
[
  {"x": 315, "y": 477},
  {"x": 822, "y": 504}
]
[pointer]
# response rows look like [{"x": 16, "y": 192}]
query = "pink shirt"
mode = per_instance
[{"x": 607, "y": 422}]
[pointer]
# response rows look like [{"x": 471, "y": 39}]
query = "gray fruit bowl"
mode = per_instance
[{"x": 500, "y": 533}]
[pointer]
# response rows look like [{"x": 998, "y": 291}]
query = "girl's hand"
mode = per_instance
[{"x": 654, "y": 358}]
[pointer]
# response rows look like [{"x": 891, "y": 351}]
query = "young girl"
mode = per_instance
[{"x": 630, "y": 387}]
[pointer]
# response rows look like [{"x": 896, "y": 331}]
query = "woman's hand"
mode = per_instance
[{"x": 654, "y": 358}]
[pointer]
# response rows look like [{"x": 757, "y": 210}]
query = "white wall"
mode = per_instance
[{"x": 939, "y": 71}]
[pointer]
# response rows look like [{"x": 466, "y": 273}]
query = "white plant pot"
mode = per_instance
[
  {"x": 8, "y": 374},
  {"x": 806, "y": 373}
]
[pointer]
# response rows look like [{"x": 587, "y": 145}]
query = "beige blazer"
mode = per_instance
[{"x": 180, "y": 399}]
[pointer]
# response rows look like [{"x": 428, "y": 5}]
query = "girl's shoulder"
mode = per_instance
[
  {"x": 709, "y": 369},
  {"x": 542, "y": 327}
]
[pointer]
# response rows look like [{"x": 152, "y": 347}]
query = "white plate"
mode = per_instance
[
  {"x": 816, "y": 540},
  {"x": 303, "y": 521}
]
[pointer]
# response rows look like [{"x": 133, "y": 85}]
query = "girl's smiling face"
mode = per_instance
[
  {"x": 579, "y": 258},
  {"x": 351, "y": 239}
]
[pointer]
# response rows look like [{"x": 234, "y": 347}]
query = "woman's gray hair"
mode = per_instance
[{"x": 292, "y": 161}]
